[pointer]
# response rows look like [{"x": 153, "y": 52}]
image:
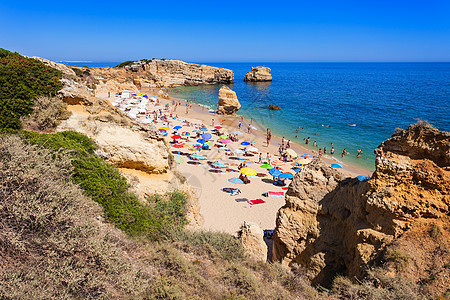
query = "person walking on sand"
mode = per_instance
[
  {"x": 239, "y": 125},
  {"x": 212, "y": 122},
  {"x": 249, "y": 128},
  {"x": 260, "y": 157}
]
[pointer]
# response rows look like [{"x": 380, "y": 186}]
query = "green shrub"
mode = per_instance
[
  {"x": 226, "y": 244},
  {"x": 399, "y": 258},
  {"x": 124, "y": 64},
  {"x": 78, "y": 72},
  {"x": 22, "y": 79},
  {"x": 156, "y": 220}
]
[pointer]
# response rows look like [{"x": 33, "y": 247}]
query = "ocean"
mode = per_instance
[{"x": 324, "y": 98}]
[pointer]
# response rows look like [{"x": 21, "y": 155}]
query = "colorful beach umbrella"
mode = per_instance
[
  {"x": 225, "y": 141},
  {"x": 336, "y": 166},
  {"x": 237, "y": 132},
  {"x": 235, "y": 180},
  {"x": 163, "y": 132},
  {"x": 248, "y": 171},
  {"x": 178, "y": 145},
  {"x": 278, "y": 163},
  {"x": 209, "y": 143},
  {"x": 274, "y": 172},
  {"x": 176, "y": 136},
  {"x": 202, "y": 141},
  {"x": 206, "y": 136},
  {"x": 291, "y": 153},
  {"x": 177, "y": 127},
  {"x": 197, "y": 131},
  {"x": 303, "y": 161},
  {"x": 286, "y": 176},
  {"x": 164, "y": 129},
  {"x": 252, "y": 149},
  {"x": 266, "y": 166},
  {"x": 218, "y": 127},
  {"x": 223, "y": 136},
  {"x": 204, "y": 129},
  {"x": 362, "y": 178},
  {"x": 245, "y": 143}
]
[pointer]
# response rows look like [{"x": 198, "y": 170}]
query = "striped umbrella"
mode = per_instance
[{"x": 277, "y": 163}]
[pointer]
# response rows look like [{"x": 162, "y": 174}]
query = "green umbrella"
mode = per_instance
[
  {"x": 266, "y": 166},
  {"x": 223, "y": 136},
  {"x": 178, "y": 159},
  {"x": 209, "y": 143}
]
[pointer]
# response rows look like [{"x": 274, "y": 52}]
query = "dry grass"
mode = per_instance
[{"x": 47, "y": 114}]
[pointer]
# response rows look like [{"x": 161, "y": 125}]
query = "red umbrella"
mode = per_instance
[
  {"x": 277, "y": 163},
  {"x": 176, "y": 136},
  {"x": 218, "y": 127}
]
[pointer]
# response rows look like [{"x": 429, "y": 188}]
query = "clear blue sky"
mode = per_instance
[{"x": 231, "y": 31}]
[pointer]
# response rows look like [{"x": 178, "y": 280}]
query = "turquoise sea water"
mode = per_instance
[{"x": 377, "y": 97}]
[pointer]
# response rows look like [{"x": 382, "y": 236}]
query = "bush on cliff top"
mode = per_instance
[
  {"x": 156, "y": 220},
  {"x": 22, "y": 79}
]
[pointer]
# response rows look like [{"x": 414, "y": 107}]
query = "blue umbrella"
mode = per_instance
[
  {"x": 296, "y": 170},
  {"x": 235, "y": 180},
  {"x": 202, "y": 141},
  {"x": 204, "y": 129},
  {"x": 197, "y": 145},
  {"x": 336, "y": 166},
  {"x": 362, "y": 178},
  {"x": 163, "y": 132},
  {"x": 286, "y": 175},
  {"x": 274, "y": 172},
  {"x": 177, "y": 127},
  {"x": 245, "y": 143},
  {"x": 206, "y": 136}
]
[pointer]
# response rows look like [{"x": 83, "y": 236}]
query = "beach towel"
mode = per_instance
[
  {"x": 276, "y": 194},
  {"x": 235, "y": 180},
  {"x": 256, "y": 201}
]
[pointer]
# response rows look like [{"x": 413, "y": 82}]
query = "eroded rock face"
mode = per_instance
[
  {"x": 252, "y": 240},
  {"x": 331, "y": 225},
  {"x": 258, "y": 74},
  {"x": 228, "y": 101}
]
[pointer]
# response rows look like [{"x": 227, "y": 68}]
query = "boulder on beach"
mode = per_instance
[
  {"x": 273, "y": 107},
  {"x": 258, "y": 74},
  {"x": 228, "y": 101}
]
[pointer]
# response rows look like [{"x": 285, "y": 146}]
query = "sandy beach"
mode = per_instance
[{"x": 221, "y": 211}]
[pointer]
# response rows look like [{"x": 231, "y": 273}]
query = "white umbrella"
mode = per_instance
[{"x": 252, "y": 149}]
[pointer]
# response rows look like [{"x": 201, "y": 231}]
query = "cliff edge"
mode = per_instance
[{"x": 333, "y": 225}]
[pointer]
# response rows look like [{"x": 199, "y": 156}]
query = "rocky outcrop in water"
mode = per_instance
[
  {"x": 333, "y": 225},
  {"x": 273, "y": 107},
  {"x": 258, "y": 74},
  {"x": 228, "y": 101}
]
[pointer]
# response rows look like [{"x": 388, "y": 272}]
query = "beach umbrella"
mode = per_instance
[
  {"x": 204, "y": 129},
  {"x": 286, "y": 176},
  {"x": 206, "y": 136},
  {"x": 245, "y": 143},
  {"x": 209, "y": 143},
  {"x": 252, "y": 142},
  {"x": 336, "y": 166},
  {"x": 163, "y": 132},
  {"x": 176, "y": 136},
  {"x": 164, "y": 129},
  {"x": 248, "y": 171},
  {"x": 296, "y": 170},
  {"x": 277, "y": 163},
  {"x": 291, "y": 153},
  {"x": 196, "y": 145},
  {"x": 303, "y": 161},
  {"x": 223, "y": 136},
  {"x": 178, "y": 145},
  {"x": 239, "y": 151},
  {"x": 274, "y": 172},
  {"x": 249, "y": 162},
  {"x": 266, "y": 166},
  {"x": 225, "y": 141},
  {"x": 177, "y": 127},
  {"x": 178, "y": 159},
  {"x": 305, "y": 155},
  {"x": 362, "y": 178},
  {"x": 237, "y": 132},
  {"x": 201, "y": 141},
  {"x": 195, "y": 156},
  {"x": 252, "y": 149},
  {"x": 197, "y": 131},
  {"x": 218, "y": 127}
]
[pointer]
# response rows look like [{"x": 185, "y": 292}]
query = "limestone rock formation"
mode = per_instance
[
  {"x": 273, "y": 107},
  {"x": 228, "y": 101},
  {"x": 252, "y": 239},
  {"x": 332, "y": 225},
  {"x": 258, "y": 74}
]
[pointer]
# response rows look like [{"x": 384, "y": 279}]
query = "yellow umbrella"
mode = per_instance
[
  {"x": 164, "y": 128},
  {"x": 248, "y": 171},
  {"x": 291, "y": 152},
  {"x": 303, "y": 161}
]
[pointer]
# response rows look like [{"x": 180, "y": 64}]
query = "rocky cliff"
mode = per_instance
[
  {"x": 138, "y": 150},
  {"x": 228, "y": 101},
  {"x": 333, "y": 225},
  {"x": 258, "y": 74}
]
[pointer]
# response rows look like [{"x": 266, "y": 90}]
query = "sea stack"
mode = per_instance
[
  {"x": 228, "y": 101},
  {"x": 258, "y": 74}
]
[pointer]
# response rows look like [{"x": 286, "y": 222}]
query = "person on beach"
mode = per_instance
[
  {"x": 314, "y": 144},
  {"x": 260, "y": 158},
  {"x": 288, "y": 144},
  {"x": 332, "y": 150},
  {"x": 344, "y": 152},
  {"x": 324, "y": 150},
  {"x": 239, "y": 125},
  {"x": 358, "y": 155},
  {"x": 307, "y": 140},
  {"x": 268, "y": 158},
  {"x": 212, "y": 122},
  {"x": 320, "y": 152},
  {"x": 249, "y": 128}
]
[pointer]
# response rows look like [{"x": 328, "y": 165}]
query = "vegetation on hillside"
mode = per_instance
[
  {"x": 47, "y": 114},
  {"x": 22, "y": 79},
  {"x": 124, "y": 64}
]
